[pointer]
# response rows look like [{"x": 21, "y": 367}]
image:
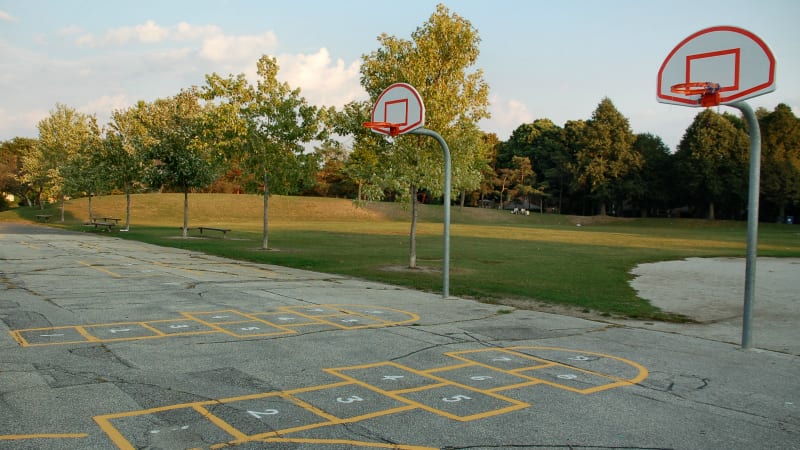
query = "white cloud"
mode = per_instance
[
  {"x": 225, "y": 49},
  {"x": 70, "y": 30},
  {"x": 322, "y": 80},
  {"x": 507, "y": 115},
  {"x": 148, "y": 33},
  {"x": 103, "y": 106},
  {"x": 6, "y": 17}
]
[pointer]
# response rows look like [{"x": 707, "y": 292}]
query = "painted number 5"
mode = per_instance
[
  {"x": 351, "y": 399},
  {"x": 456, "y": 398}
]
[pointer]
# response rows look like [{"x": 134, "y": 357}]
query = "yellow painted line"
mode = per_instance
[
  {"x": 18, "y": 337},
  {"x": 640, "y": 376},
  {"x": 101, "y": 269},
  {"x": 412, "y": 317},
  {"x": 514, "y": 404},
  {"x": 153, "y": 329},
  {"x": 19, "y": 437},
  {"x": 82, "y": 331},
  {"x": 225, "y": 426},
  {"x": 111, "y": 431}
]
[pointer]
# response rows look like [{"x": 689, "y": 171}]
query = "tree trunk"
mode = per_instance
[
  {"x": 461, "y": 202},
  {"x": 711, "y": 215},
  {"x": 91, "y": 214},
  {"x": 412, "y": 250},
  {"x": 63, "y": 201},
  {"x": 265, "y": 234},
  {"x": 603, "y": 209},
  {"x": 185, "y": 212},
  {"x": 358, "y": 195},
  {"x": 127, "y": 209}
]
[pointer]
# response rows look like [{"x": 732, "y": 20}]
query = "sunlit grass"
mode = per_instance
[{"x": 495, "y": 256}]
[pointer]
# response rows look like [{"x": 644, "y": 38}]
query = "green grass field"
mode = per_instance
[{"x": 495, "y": 256}]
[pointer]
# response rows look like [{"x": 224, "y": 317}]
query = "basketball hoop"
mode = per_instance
[
  {"x": 392, "y": 129},
  {"x": 708, "y": 91}
]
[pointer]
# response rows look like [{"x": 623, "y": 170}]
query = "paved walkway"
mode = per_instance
[{"x": 107, "y": 343}]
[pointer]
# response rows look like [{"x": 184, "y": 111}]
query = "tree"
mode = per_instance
[
  {"x": 66, "y": 139},
  {"x": 367, "y": 149},
  {"x": 436, "y": 62},
  {"x": 780, "y": 166},
  {"x": 712, "y": 163},
  {"x": 177, "y": 155},
  {"x": 606, "y": 154},
  {"x": 124, "y": 147},
  {"x": 651, "y": 187},
  {"x": 543, "y": 142},
  {"x": 12, "y": 154},
  {"x": 264, "y": 129},
  {"x": 488, "y": 173}
]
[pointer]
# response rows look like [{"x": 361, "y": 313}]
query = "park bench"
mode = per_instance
[
  {"x": 44, "y": 217},
  {"x": 224, "y": 231},
  {"x": 109, "y": 226}
]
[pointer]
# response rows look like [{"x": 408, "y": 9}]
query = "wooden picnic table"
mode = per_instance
[{"x": 44, "y": 217}]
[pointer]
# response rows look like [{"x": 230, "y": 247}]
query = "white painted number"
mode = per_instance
[
  {"x": 393, "y": 377},
  {"x": 502, "y": 358},
  {"x": 349, "y": 320},
  {"x": 456, "y": 398},
  {"x": 481, "y": 378},
  {"x": 580, "y": 358},
  {"x": 175, "y": 327},
  {"x": 351, "y": 399},
  {"x": 568, "y": 376},
  {"x": 260, "y": 414},
  {"x": 249, "y": 328},
  {"x": 119, "y": 330}
]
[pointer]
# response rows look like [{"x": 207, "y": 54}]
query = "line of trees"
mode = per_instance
[
  {"x": 229, "y": 135},
  {"x": 588, "y": 166}
]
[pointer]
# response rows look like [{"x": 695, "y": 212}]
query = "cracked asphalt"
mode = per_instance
[{"x": 106, "y": 343}]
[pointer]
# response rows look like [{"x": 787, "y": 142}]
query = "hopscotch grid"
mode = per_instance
[
  {"x": 406, "y": 404},
  {"x": 90, "y": 336}
]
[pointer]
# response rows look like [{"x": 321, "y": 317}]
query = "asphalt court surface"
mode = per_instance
[{"x": 106, "y": 343}]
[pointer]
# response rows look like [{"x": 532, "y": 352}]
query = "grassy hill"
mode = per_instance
[{"x": 580, "y": 262}]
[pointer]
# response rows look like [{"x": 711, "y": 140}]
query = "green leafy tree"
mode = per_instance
[
  {"x": 488, "y": 173},
  {"x": 606, "y": 154},
  {"x": 712, "y": 163},
  {"x": 437, "y": 62},
  {"x": 178, "y": 156},
  {"x": 66, "y": 139},
  {"x": 780, "y": 158},
  {"x": 651, "y": 186},
  {"x": 367, "y": 149},
  {"x": 264, "y": 128},
  {"x": 11, "y": 167},
  {"x": 543, "y": 142},
  {"x": 124, "y": 146}
]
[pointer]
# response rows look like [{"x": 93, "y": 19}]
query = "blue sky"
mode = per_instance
[{"x": 541, "y": 59}]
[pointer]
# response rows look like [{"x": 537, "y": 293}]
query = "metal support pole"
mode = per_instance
[
  {"x": 752, "y": 221},
  {"x": 446, "y": 258}
]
